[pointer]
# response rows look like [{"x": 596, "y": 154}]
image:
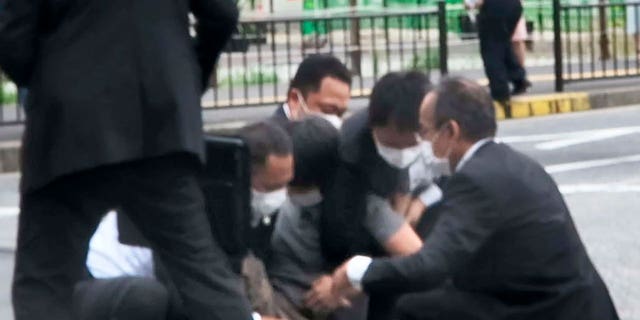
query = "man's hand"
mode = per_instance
[
  {"x": 341, "y": 286},
  {"x": 322, "y": 298},
  {"x": 270, "y": 318}
]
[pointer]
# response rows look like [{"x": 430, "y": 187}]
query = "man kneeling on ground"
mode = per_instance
[{"x": 123, "y": 281}]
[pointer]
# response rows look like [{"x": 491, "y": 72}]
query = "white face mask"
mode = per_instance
[
  {"x": 265, "y": 204},
  {"x": 306, "y": 199},
  {"x": 427, "y": 151},
  {"x": 440, "y": 166},
  {"x": 399, "y": 158},
  {"x": 332, "y": 118}
]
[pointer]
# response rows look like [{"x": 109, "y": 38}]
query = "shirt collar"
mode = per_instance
[
  {"x": 287, "y": 110},
  {"x": 474, "y": 148}
]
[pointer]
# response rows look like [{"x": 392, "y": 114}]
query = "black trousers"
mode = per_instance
[
  {"x": 163, "y": 199},
  {"x": 496, "y": 24},
  {"x": 121, "y": 298}
]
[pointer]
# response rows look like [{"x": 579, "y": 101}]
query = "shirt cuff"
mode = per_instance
[
  {"x": 356, "y": 268},
  {"x": 430, "y": 196},
  {"x": 256, "y": 316}
]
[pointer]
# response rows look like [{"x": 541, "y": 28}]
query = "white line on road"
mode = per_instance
[
  {"x": 7, "y": 212},
  {"x": 599, "y": 188},
  {"x": 570, "y": 138},
  {"x": 579, "y": 165},
  {"x": 597, "y": 135}
]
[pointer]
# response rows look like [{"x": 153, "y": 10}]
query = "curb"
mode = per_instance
[
  {"x": 521, "y": 107},
  {"x": 545, "y": 104}
]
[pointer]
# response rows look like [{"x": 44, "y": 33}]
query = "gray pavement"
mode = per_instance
[{"x": 595, "y": 158}]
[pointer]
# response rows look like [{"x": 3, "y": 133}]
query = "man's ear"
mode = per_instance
[
  {"x": 456, "y": 131},
  {"x": 292, "y": 98},
  {"x": 293, "y": 102}
]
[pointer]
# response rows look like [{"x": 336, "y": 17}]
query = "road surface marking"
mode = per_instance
[
  {"x": 579, "y": 165},
  {"x": 565, "y": 139},
  {"x": 599, "y": 188},
  {"x": 596, "y": 135},
  {"x": 8, "y": 212}
]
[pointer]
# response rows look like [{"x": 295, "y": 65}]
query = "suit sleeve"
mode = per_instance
[
  {"x": 216, "y": 20},
  {"x": 468, "y": 220},
  {"x": 18, "y": 38}
]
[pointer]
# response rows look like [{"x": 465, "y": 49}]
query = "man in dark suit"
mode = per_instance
[
  {"x": 321, "y": 87},
  {"x": 114, "y": 122},
  {"x": 504, "y": 247},
  {"x": 497, "y": 21}
]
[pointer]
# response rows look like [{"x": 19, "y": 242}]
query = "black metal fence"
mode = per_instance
[
  {"x": 263, "y": 56},
  {"x": 591, "y": 41},
  {"x": 596, "y": 41}
]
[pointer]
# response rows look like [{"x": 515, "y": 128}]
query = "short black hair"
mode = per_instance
[
  {"x": 315, "y": 152},
  {"x": 396, "y": 99},
  {"x": 266, "y": 138},
  {"x": 469, "y": 104},
  {"x": 314, "y": 69}
]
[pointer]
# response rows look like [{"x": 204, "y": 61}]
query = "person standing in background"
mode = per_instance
[
  {"x": 497, "y": 21},
  {"x": 520, "y": 35}
]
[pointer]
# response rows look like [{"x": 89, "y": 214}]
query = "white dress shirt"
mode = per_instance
[
  {"x": 287, "y": 110},
  {"x": 108, "y": 258},
  {"x": 423, "y": 172},
  {"x": 358, "y": 265}
]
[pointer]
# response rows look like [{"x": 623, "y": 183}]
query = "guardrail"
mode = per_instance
[
  {"x": 591, "y": 41},
  {"x": 596, "y": 41},
  {"x": 263, "y": 56}
]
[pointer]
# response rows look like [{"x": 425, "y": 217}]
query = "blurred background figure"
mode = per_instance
[
  {"x": 497, "y": 22},
  {"x": 518, "y": 40}
]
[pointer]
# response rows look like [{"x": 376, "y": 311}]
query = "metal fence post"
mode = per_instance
[
  {"x": 356, "y": 52},
  {"x": 557, "y": 45},
  {"x": 443, "y": 40},
  {"x": 604, "y": 37},
  {"x": 1, "y": 91}
]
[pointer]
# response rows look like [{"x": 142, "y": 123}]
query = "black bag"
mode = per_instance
[{"x": 226, "y": 183}]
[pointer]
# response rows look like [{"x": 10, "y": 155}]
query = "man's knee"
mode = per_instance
[{"x": 144, "y": 299}]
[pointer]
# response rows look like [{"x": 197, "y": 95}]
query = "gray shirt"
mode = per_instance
[
  {"x": 381, "y": 221},
  {"x": 296, "y": 258}
]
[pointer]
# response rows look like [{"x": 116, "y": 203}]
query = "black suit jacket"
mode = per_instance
[
  {"x": 280, "y": 114},
  {"x": 506, "y": 234},
  {"x": 110, "y": 81}
]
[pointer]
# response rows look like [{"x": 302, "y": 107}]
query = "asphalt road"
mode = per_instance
[{"x": 595, "y": 158}]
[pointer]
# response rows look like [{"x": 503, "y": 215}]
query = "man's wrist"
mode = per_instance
[
  {"x": 356, "y": 268},
  {"x": 431, "y": 195}
]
